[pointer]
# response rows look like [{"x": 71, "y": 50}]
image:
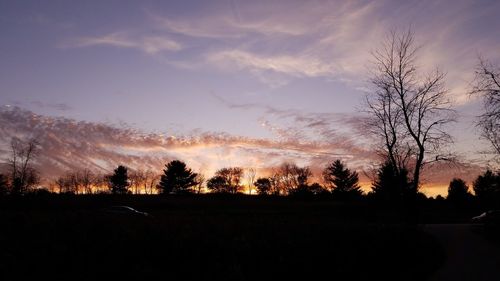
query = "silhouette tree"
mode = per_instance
[
  {"x": 289, "y": 177},
  {"x": 136, "y": 179},
  {"x": 218, "y": 184},
  {"x": 176, "y": 178},
  {"x": 100, "y": 183},
  {"x": 23, "y": 174},
  {"x": 487, "y": 84},
  {"x": 263, "y": 186},
  {"x": 391, "y": 184},
  {"x": 226, "y": 180},
  {"x": 458, "y": 191},
  {"x": 118, "y": 182},
  {"x": 200, "y": 180},
  {"x": 305, "y": 190},
  {"x": 487, "y": 186},
  {"x": 409, "y": 110},
  {"x": 74, "y": 180},
  {"x": 318, "y": 189},
  {"x": 341, "y": 180},
  {"x": 86, "y": 178},
  {"x": 64, "y": 185},
  {"x": 143, "y": 181},
  {"x": 4, "y": 185},
  {"x": 150, "y": 181},
  {"x": 251, "y": 174},
  {"x": 439, "y": 198}
]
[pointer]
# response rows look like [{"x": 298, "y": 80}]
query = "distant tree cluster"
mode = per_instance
[
  {"x": 78, "y": 182},
  {"x": 226, "y": 180},
  {"x": 290, "y": 179}
]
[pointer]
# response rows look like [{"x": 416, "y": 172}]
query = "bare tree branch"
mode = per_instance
[{"x": 409, "y": 114}]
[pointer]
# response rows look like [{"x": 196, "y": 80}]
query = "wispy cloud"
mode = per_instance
[
  {"x": 44, "y": 105},
  {"x": 70, "y": 144},
  {"x": 147, "y": 44},
  {"x": 224, "y": 26},
  {"x": 333, "y": 39},
  {"x": 313, "y": 126},
  {"x": 295, "y": 66}
]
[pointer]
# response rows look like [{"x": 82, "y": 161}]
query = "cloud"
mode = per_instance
[
  {"x": 42, "y": 105},
  {"x": 294, "y": 66},
  {"x": 70, "y": 144},
  {"x": 224, "y": 26},
  {"x": 297, "y": 124},
  {"x": 148, "y": 44},
  {"x": 279, "y": 42}
]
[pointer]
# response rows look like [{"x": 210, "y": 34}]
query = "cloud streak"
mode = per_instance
[
  {"x": 148, "y": 44},
  {"x": 295, "y": 66},
  {"x": 69, "y": 144}
]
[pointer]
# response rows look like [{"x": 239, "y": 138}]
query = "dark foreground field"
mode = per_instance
[{"x": 209, "y": 238}]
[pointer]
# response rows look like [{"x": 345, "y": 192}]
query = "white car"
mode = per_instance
[{"x": 488, "y": 217}]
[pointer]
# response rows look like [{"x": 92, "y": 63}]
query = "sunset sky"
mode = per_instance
[{"x": 224, "y": 83}]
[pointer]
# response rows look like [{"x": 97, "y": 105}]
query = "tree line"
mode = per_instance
[{"x": 338, "y": 182}]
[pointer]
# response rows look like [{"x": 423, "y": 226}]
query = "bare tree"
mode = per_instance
[
  {"x": 251, "y": 174},
  {"x": 136, "y": 178},
  {"x": 69, "y": 183},
  {"x": 74, "y": 181},
  {"x": 411, "y": 110},
  {"x": 226, "y": 180},
  {"x": 387, "y": 124},
  {"x": 144, "y": 181},
  {"x": 22, "y": 172},
  {"x": 62, "y": 184},
  {"x": 150, "y": 181},
  {"x": 100, "y": 183},
  {"x": 288, "y": 177},
  {"x": 200, "y": 179},
  {"x": 86, "y": 178},
  {"x": 486, "y": 83}
]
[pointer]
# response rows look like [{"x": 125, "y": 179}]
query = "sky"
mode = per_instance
[{"x": 225, "y": 83}]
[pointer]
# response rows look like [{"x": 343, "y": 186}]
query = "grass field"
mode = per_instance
[{"x": 209, "y": 238}]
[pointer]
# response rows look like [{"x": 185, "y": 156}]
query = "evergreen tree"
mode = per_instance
[
  {"x": 177, "y": 178},
  {"x": 118, "y": 181},
  {"x": 487, "y": 186},
  {"x": 390, "y": 183},
  {"x": 341, "y": 180},
  {"x": 458, "y": 191}
]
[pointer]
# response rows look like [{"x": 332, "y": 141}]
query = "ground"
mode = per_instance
[
  {"x": 471, "y": 254},
  {"x": 210, "y": 237}
]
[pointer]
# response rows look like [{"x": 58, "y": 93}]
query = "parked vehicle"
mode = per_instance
[
  {"x": 125, "y": 210},
  {"x": 491, "y": 217}
]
